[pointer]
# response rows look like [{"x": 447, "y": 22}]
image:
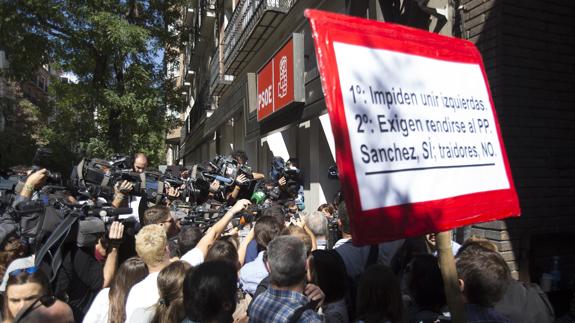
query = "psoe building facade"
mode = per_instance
[{"x": 240, "y": 50}]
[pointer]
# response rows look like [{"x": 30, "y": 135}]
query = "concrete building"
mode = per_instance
[
  {"x": 233, "y": 40},
  {"x": 527, "y": 47},
  {"x": 18, "y": 103}
]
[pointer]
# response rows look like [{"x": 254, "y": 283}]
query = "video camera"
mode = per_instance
[
  {"x": 202, "y": 217},
  {"x": 174, "y": 182},
  {"x": 37, "y": 220},
  {"x": 265, "y": 193},
  {"x": 147, "y": 183},
  {"x": 10, "y": 180},
  {"x": 197, "y": 185},
  {"x": 287, "y": 170},
  {"x": 222, "y": 169},
  {"x": 229, "y": 168},
  {"x": 42, "y": 159},
  {"x": 8, "y": 184},
  {"x": 97, "y": 177}
]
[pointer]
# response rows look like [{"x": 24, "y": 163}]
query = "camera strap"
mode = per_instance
[
  {"x": 194, "y": 173},
  {"x": 80, "y": 172},
  {"x": 311, "y": 305},
  {"x": 161, "y": 191},
  {"x": 58, "y": 237}
]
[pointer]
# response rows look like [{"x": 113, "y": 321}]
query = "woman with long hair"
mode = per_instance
[
  {"x": 23, "y": 288},
  {"x": 170, "y": 306},
  {"x": 379, "y": 296},
  {"x": 10, "y": 249},
  {"x": 327, "y": 270},
  {"x": 131, "y": 272},
  {"x": 210, "y": 292}
]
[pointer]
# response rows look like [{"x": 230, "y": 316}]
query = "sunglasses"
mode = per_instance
[{"x": 29, "y": 270}]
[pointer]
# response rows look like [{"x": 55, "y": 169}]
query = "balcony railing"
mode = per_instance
[
  {"x": 243, "y": 26},
  {"x": 188, "y": 13},
  {"x": 218, "y": 79},
  {"x": 206, "y": 15},
  {"x": 173, "y": 136},
  {"x": 201, "y": 33},
  {"x": 202, "y": 107}
]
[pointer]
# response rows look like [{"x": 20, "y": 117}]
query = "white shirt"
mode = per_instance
[
  {"x": 321, "y": 244},
  {"x": 134, "y": 203},
  {"x": 454, "y": 248},
  {"x": 252, "y": 273},
  {"x": 98, "y": 312},
  {"x": 145, "y": 293},
  {"x": 143, "y": 315},
  {"x": 142, "y": 295},
  {"x": 194, "y": 257}
]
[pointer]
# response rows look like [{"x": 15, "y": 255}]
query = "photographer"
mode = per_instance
[
  {"x": 16, "y": 234},
  {"x": 289, "y": 179},
  {"x": 87, "y": 269},
  {"x": 242, "y": 188},
  {"x": 140, "y": 163},
  {"x": 33, "y": 182},
  {"x": 123, "y": 190}
]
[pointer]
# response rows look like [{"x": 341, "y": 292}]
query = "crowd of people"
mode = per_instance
[{"x": 278, "y": 266}]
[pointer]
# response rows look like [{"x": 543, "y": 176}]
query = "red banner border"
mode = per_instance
[{"x": 370, "y": 227}]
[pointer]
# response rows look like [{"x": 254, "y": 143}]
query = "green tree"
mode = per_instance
[
  {"x": 19, "y": 137},
  {"x": 119, "y": 50}
]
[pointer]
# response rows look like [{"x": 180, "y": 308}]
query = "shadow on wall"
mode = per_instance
[
  {"x": 413, "y": 13},
  {"x": 527, "y": 48}
]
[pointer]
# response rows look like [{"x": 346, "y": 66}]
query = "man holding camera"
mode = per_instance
[
  {"x": 33, "y": 182},
  {"x": 86, "y": 269},
  {"x": 242, "y": 188},
  {"x": 289, "y": 179},
  {"x": 122, "y": 190},
  {"x": 140, "y": 163},
  {"x": 86, "y": 265}
]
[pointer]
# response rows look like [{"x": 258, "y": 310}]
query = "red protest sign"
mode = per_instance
[{"x": 418, "y": 144}]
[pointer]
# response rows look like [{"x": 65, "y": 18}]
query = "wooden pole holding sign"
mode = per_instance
[{"x": 450, "y": 279}]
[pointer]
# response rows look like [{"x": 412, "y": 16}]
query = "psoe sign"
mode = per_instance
[{"x": 280, "y": 82}]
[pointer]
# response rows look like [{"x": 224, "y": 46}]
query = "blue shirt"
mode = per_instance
[
  {"x": 251, "y": 252},
  {"x": 253, "y": 273},
  {"x": 279, "y": 305}
]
